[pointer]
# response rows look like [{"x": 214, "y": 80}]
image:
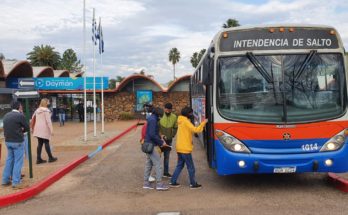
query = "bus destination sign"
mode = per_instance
[{"x": 263, "y": 39}]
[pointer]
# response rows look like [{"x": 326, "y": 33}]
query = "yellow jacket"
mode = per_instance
[{"x": 184, "y": 135}]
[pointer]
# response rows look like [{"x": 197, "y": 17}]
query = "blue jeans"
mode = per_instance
[
  {"x": 182, "y": 160},
  {"x": 61, "y": 118},
  {"x": 14, "y": 163}
]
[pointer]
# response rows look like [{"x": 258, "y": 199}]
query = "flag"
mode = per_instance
[
  {"x": 100, "y": 37},
  {"x": 94, "y": 31}
]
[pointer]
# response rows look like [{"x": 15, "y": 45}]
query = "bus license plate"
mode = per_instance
[{"x": 284, "y": 170}]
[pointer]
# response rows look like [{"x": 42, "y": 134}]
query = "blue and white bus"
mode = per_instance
[{"x": 276, "y": 100}]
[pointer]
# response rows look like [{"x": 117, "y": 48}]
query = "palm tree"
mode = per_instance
[
  {"x": 70, "y": 62},
  {"x": 231, "y": 23},
  {"x": 44, "y": 56},
  {"x": 174, "y": 57},
  {"x": 196, "y": 57}
]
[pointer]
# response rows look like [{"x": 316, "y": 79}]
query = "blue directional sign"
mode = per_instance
[
  {"x": 70, "y": 83},
  {"x": 26, "y": 94},
  {"x": 26, "y": 83}
]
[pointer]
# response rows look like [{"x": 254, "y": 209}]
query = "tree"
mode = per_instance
[
  {"x": 119, "y": 78},
  {"x": 196, "y": 57},
  {"x": 44, "y": 56},
  {"x": 231, "y": 23},
  {"x": 174, "y": 57},
  {"x": 2, "y": 56},
  {"x": 112, "y": 83},
  {"x": 70, "y": 62}
]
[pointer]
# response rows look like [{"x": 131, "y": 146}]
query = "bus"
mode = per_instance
[{"x": 276, "y": 100}]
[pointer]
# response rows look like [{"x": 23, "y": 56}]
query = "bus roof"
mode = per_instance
[{"x": 285, "y": 25}]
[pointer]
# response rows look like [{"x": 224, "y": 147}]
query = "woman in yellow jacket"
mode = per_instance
[{"x": 184, "y": 147}]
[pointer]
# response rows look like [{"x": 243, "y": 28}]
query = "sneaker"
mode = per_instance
[
  {"x": 53, "y": 159},
  {"x": 19, "y": 186},
  {"x": 40, "y": 161},
  {"x": 6, "y": 184},
  {"x": 161, "y": 186},
  {"x": 148, "y": 185},
  {"x": 167, "y": 175},
  {"x": 152, "y": 179},
  {"x": 196, "y": 186},
  {"x": 174, "y": 184}
]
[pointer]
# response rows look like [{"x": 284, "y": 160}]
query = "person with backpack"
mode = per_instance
[
  {"x": 153, "y": 158},
  {"x": 184, "y": 147}
]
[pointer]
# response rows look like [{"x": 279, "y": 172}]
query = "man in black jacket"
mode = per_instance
[{"x": 15, "y": 125}]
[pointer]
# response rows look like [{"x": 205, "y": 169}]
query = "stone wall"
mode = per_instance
[{"x": 115, "y": 103}]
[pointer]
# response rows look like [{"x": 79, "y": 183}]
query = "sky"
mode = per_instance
[{"x": 138, "y": 34}]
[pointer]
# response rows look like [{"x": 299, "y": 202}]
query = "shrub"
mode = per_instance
[{"x": 126, "y": 116}]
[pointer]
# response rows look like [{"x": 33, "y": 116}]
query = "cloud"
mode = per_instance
[{"x": 138, "y": 34}]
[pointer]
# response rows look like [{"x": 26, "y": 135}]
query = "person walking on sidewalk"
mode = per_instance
[
  {"x": 61, "y": 114},
  {"x": 43, "y": 130},
  {"x": 153, "y": 158},
  {"x": 168, "y": 128},
  {"x": 15, "y": 125},
  {"x": 184, "y": 147},
  {"x": 80, "y": 110}
]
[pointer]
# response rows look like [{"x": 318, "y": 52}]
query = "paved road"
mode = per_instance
[{"x": 111, "y": 183}]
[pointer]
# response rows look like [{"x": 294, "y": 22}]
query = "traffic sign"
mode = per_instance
[
  {"x": 26, "y": 94},
  {"x": 27, "y": 83}
]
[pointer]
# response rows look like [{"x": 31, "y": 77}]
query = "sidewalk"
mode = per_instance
[{"x": 67, "y": 145}]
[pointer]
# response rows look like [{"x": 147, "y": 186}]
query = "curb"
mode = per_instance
[
  {"x": 37, "y": 188},
  {"x": 339, "y": 182}
]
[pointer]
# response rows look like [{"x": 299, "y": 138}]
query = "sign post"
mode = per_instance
[
  {"x": 27, "y": 115},
  {"x": 26, "y": 95}
]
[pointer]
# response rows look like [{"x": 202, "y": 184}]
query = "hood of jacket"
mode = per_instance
[
  {"x": 41, "y": 110},
  {"x": 182, "y": 119}
]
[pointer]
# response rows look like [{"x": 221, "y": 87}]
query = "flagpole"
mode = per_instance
[
  {"x": 84, "y": 72},
  {"x": 94, "y": 99},
  {"x": 102, "y": 79}
]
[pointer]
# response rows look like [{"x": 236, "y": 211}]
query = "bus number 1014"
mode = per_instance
[{"x": 310, "y": 147}]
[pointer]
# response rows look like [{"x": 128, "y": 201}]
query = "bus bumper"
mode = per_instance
[{"x": 228, "y": 162}]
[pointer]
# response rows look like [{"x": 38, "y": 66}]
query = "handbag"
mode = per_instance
[
  {"x": 147, "y": 147},
  {"x": 32, "y": 122}
]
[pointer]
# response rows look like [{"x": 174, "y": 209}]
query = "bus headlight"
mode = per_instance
[
  {"x": 231, "y": 143},
  {"x": 335, "y": 142}
]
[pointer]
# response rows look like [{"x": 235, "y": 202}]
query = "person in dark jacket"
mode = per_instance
[
  {"x": 81, "y": 111},
  {"x": 153, "y": 158},
  {"x": 15, "y": 125},
  {"x": 61, "y": 114}
]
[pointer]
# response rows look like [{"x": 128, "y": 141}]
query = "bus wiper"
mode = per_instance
[
  {"x": 305, "y": 63},
  {"x": 259, "y": 67}
]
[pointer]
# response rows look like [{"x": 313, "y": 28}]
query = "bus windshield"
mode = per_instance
[{"x": 291, "y": 88}]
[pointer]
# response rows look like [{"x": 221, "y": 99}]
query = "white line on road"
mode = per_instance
[{"x": 169, "y": 213}]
